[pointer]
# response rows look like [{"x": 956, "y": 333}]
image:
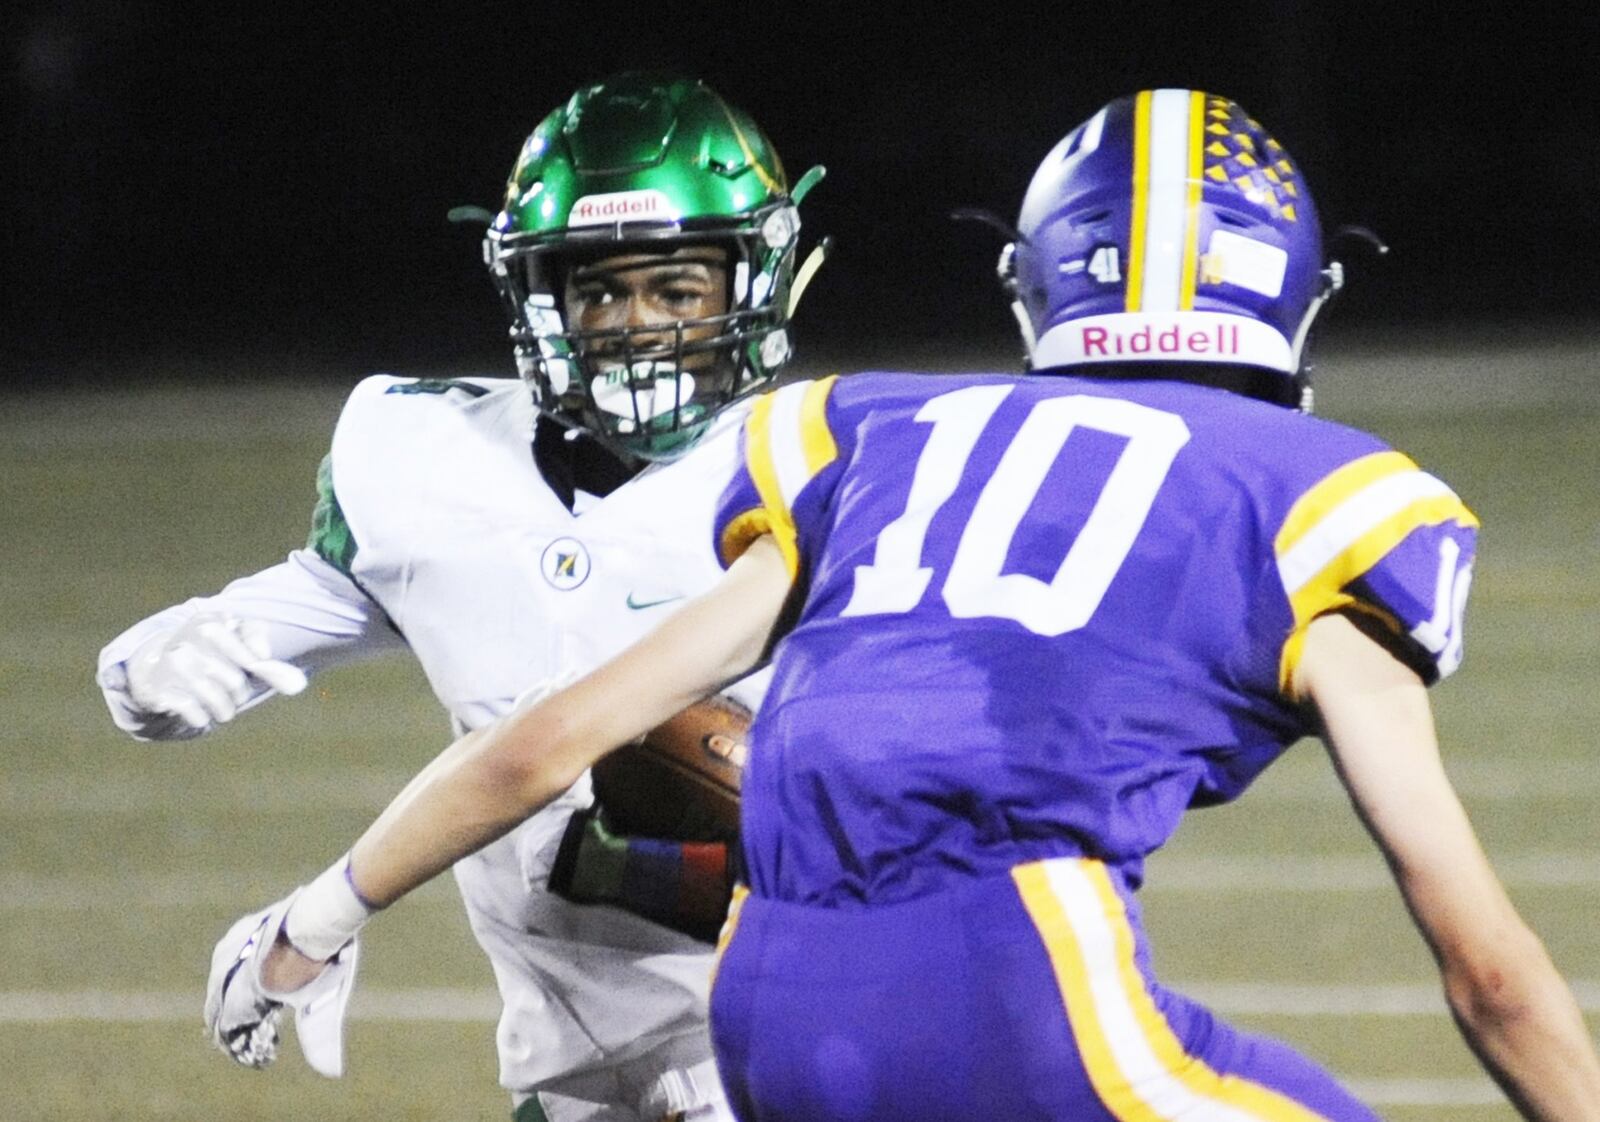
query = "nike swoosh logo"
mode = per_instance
[{"x": 641, "y": 605}]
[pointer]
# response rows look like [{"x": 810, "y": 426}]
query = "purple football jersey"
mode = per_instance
[{"x": 1044, "y": 616}]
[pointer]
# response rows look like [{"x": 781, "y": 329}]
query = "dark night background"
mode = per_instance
[{"x": 187, "y": 185}]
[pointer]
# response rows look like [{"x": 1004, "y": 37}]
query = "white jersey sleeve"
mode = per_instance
[{"x": 314, "y": 616}]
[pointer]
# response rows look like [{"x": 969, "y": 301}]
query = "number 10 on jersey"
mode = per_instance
[{"x": 974, "y": 586}]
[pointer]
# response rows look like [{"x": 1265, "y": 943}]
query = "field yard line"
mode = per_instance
[
  {"x": 227, "y": 889},
  {"x": 1299, "y": 873},
  {"x": 36, "y": 794},
  {"x": 481, "y": 1006},
  {"x": 1499, "y": 780},
  {"x": 1426, "y": 1092},
  {"x": 160, "y": 1006},
  {"x": 1230, "y": 999},
  {"x": 1268, "y": 999},
  {"x": 1169, "y": 875},
  {"x": 32, "y": 795}
]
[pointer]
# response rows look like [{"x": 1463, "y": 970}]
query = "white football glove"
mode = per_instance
[
  {"x": 242, "y": 1015},
  {"x": 201, "y": 671}
]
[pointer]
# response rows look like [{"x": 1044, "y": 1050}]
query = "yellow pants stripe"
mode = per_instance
[{"x": 1135, "y": 1062}]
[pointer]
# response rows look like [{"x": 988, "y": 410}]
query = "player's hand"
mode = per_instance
[
  {"x": 202, "y": 671},
  {"x": 242, "y": 1012}
]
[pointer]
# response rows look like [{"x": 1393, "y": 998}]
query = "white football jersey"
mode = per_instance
[{"x": 496, "y": 586}]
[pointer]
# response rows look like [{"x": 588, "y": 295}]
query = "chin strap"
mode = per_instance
[
  {"x": 802, "y": 277},
  {"x": 1006, "y": 270},
  {"x": 819, "y": 252},
  {"x": 1333, "y": 280}
]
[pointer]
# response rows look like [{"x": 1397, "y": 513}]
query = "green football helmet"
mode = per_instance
[{"x": 647, "y": 163}]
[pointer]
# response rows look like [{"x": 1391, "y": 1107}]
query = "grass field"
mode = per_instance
[{"x": 121, "y": 863}]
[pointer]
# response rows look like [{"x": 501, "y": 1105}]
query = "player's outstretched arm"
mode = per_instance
[
  {"x": 491, "y": 779},
  {"x": 185, "y": 670},
  {"x": 1511, "y": 1004}
]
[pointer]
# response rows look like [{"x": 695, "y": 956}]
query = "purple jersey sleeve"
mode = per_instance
[
  {"x": 786, "y": 449},
  {"x": 1382, "y": 536}
]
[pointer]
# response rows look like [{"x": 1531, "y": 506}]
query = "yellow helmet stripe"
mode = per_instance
[
  {"x": 1191, "y": 202},
  {"x": 770, "y": 181}
]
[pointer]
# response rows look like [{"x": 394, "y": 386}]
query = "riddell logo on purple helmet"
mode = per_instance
[
  {"x": 1170, "y": 337},
  {"x": 1220, "y": 341},
  {"x": 621, "y": 206}
]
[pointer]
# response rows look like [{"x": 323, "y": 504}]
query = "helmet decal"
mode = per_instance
[{"x": 648, "y": 205}]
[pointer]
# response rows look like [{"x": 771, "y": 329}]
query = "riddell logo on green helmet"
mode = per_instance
[{"x": 648, "y": 205}]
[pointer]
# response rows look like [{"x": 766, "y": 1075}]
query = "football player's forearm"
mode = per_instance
[
  {"x": 311, "y": 615},
  {"x": 1513, "y": 1008},
  {"x": 493, "y": 778},
  {"x": 457, "y": 804},
  {"x": 1521, "y": 1020}
]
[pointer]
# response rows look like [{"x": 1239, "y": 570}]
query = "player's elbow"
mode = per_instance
[
  {"x": 532, "y": 764},
  {"x": 1493, "y": 990}
]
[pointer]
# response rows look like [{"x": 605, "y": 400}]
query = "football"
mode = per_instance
[{"x": 681, "y": 780}]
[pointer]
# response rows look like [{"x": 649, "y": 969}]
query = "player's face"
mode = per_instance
[{"x": 649, "y": 293}]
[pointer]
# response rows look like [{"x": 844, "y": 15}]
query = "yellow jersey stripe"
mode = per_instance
[
  {"x": 787, "y": 441},
  {"x": 1191, "y": 201},
  {"x": 1135, "y": 1062},
  {"x": 1346, "y": 524},
  {"x": 1141, "y": 200},
  {"x": 802, "y": 445},
  {"x": 815, "y": 436},
  {"x": 740, "y": 532},
  {"x": 1327, "y": 541},
  {"x": 741, "y": 893},
  {"x": 1323, "y": 591},
  {"x": 1332, "y": 490},
  {"x": 764, "y": 473}
]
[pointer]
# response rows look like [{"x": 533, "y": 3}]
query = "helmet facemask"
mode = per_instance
[{"x": 648, "y": 391}]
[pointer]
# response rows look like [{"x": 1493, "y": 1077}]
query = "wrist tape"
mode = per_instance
[{"x": 327, "y": 914}]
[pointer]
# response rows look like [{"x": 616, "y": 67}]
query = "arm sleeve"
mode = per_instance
[
  {"x": 315, "y": 617},
  {"x": 1382, "y": 537},
  {"x": 786, "y": 444}
]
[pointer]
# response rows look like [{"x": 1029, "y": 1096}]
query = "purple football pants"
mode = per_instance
[{"x": 1022, "y": 997}]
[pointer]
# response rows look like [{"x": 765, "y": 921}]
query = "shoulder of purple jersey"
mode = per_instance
[{"x": 870, "y": 390}]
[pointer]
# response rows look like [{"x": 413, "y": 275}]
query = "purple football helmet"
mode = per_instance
[{"x": 1170, "y": 227}]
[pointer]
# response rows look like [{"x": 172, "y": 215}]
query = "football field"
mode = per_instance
[{"x": 121, "y": 863}]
